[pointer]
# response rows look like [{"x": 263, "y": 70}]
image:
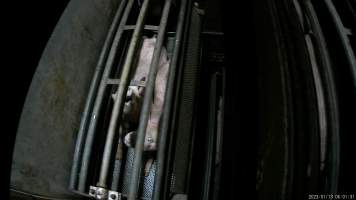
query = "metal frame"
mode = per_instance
[
  {"x": 121, "y": 93},
  {"x": 168, "y": 102},
  {"x": 90, "y": 100},
  {"x": 342, "y": 33},
  {"x": 99, "y": 99},
  {"x": 211, "y": 138},
  {"x": 330, "y": 95},
  {"x": 147, "y": 102},
  {"x": 94, "y": 103}
]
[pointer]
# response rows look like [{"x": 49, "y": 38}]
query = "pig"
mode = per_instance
[{"x": 135, "y": 94}]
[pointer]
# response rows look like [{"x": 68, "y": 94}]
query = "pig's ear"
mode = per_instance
[
  {"x": 136, "y": 97},
  {"x": 135, "y": 91},
  {"x": 141, "y": 90}
]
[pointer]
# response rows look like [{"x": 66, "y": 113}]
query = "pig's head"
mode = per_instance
[{"x": 150, "y": 143}]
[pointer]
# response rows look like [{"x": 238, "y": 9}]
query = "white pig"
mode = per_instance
[{"x": 135, "y": 93}]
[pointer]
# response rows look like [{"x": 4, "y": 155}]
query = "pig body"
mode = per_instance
[{"x": 135, "y": 94}]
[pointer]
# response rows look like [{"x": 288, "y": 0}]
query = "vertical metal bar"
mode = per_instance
[
  {"x": 147, "y": 101},
  {"x": 220, "y": 137},
  {"x": 169, "y": 175},
  {"x": 211, "y": 132},
  {"x": 118, "y": 162},
  {"x": 331, "y": 95},
  {"x": 163, "y": 131},
  {"x": 98, "y": 101},
  {"x": 121, "y": 93},
  {"x": 344, "y": 41},
  {"x": 91, "y": 95}
]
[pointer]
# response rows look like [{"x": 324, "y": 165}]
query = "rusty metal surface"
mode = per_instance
[{"x": 50, "y": 117}]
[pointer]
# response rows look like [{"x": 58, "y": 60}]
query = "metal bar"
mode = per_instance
[
  {"x": 98, "y": 101},
  {"x": 147, "y": 101},
  {"x": 183, "y": 127},
  {"x": 91, "y": 95},
  {"x": 330, "y": 94},
  {"x": 132, "y": 83},
  {"x": 146, "y": 27},
  {"x": 211, "y": 131},
  {"x": 118, "y": 162},
  {"x": 169, "y": 177},
  {"x": 163, "y": 131},
  {"x": 317, "y": 141},
  {"x": 219, "y": 139},
  {"x": 214, "y": 33},
  {"x": 121, "y": 94},
  {"x": 344, "y": 40}
]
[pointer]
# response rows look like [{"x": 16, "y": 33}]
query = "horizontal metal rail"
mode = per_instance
[
  {"x": 91, "y": 96},
  {"x": 147, "y": 101},
  {"x": 121, "y": 93},
  {"x": 146, "y": 27},
  {"x": 99, "y": 99},
  {"x": 132, "y": 83}
]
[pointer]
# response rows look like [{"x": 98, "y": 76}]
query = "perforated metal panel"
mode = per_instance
[{"x": 148, "y": 181}]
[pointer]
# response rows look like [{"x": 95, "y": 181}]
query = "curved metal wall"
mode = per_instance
[{"x": 50, "y": 118}]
